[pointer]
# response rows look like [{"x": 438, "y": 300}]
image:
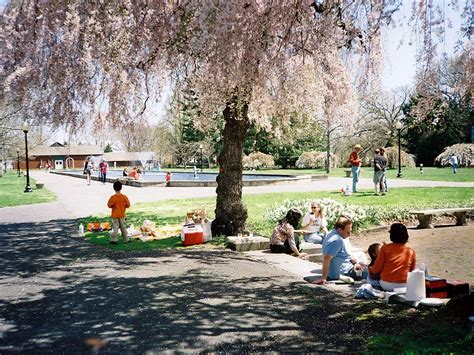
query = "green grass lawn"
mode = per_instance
[
  {"x": 173, "y": 211},
  {"x": 12, "y": 192},
  {"x": 429, "y": 174}
]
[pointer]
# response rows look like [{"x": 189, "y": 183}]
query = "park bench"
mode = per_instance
[{"x": 425, "y": 216}]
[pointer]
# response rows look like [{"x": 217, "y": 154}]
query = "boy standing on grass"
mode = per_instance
[{"x": 118, "y": 203}]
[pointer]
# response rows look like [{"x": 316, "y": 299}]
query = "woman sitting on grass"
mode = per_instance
[
  {"x": 394, "y": 260},
  {"x": 283, "y": 238}
]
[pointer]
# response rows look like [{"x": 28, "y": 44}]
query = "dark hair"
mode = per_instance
[
  {"x": 117, "y": 185},
  {"x": 398, "y": 233},
  {"x": 293, "y": 217},
  {"x": 342, "y": 222},
  {"x": 373, "y": 248}
]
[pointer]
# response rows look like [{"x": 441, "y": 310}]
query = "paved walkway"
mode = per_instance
[{"x": 75, "y": 199}]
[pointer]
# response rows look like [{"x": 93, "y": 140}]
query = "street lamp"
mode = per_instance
[
  {"x": 200, "y": 147},
  {"x": 28, "y": 187},
  {"x": 18, "y": 161},
  {"x": 399, "y": 126}
]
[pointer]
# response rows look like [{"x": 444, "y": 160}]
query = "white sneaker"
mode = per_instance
[{"x": 346, "y": 279}]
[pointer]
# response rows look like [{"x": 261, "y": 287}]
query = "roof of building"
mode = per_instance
[
  {"x": 43, "y": 150},
  {"x": 129, "y": 156}
]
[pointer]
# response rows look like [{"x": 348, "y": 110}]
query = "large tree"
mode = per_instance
[{"x": 247, "y": 60}]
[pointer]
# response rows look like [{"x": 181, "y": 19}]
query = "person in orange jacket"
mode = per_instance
[{"x": 118, "y": 203}]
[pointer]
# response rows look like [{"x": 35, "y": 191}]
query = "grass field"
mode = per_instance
[
  {"x": 12, "y": 192},
  {"x": 429, "y": 174},
  {"x": 173, "y": 211}
]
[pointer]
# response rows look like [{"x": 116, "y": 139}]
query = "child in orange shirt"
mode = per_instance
[{"x": 118, "y": 203}]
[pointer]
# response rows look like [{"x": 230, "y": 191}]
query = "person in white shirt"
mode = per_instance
[
  {"x": 315, "y": 225},
  {"x": 453, "y": 160}
]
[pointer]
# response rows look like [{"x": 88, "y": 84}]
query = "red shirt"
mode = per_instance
[{"x": 354, "y": 159}]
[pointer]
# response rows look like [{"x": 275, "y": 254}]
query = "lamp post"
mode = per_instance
[
  {"x": 18, "y": 161},
  {"x": 200, "y": 147},
  {"x": 25, "y": 130},
  {"x": 399, "y": 126}
]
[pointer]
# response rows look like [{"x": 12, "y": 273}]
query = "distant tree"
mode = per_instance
[
  {"x": 380, "y": 112},
  {"x": 108, "y": 148},
  {"x": 440, "y": 114}
]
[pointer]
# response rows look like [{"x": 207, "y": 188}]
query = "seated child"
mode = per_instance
[{"x": 374, "y": 279}]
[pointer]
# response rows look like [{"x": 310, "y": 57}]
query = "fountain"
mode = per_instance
[
  {"x": 143, "y": 158},
  {"x": 96, "y": 159}
]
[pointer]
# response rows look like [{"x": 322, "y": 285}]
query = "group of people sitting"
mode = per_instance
[
  {"x": 134, "y": 174},
  {"x": 389, "y": 265}
]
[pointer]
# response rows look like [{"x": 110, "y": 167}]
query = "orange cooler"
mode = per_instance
[{"x": 192, "y": 234}]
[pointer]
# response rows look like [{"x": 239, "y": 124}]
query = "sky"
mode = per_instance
[{"x": 400, "y": 60}]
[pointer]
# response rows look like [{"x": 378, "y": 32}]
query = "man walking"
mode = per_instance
[{"x": 453, "y": 160}]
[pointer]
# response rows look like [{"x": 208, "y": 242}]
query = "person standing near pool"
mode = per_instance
[
  {"x": 88, "y": 167},
  {"x": 103, "y": 167},
  {"x": 356, "y": 162},
  {"x": 168, "y": 178}
]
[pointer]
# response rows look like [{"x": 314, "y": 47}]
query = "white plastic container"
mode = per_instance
[
  {"x": 81, "y": 230},
  {"x": 416, "y": 286}
]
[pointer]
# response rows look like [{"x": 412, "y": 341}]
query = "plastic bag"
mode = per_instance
[{"x": 366, "y": 291}]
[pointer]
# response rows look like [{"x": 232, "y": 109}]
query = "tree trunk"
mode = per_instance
[
  {"x": 328, "y": 156},
  {"x": 231, "y": 213}
]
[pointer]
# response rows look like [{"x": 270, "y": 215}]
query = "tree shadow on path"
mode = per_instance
[{"x": 58, "y": 290}]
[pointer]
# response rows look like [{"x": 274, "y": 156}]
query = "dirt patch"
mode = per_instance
[{"x": 446, "y": 249}]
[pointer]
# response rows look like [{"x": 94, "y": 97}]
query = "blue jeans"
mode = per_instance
[
  {"x": 454, "y": 166},
  {"x": 364, "y": 274},
  {"x": 314, "y": 238},
  {"x": 355, "y": 177}
]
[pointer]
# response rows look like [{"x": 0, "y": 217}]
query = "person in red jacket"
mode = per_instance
[
  {"x": 394, "y": 260},
  {"x": 118, "y": 203},
  {"x": 356, "y": 162}
]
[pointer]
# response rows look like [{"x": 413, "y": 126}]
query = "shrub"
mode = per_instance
[
  {"x": 332, "y": 210},
  {"x": 316, "y": 159},
  {"x": 257, "y": 160},
  {"x": 464, "y": 152},
  {"x": 407, "y": 160}
]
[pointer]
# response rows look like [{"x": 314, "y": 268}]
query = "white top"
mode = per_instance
[
  {"x": 453, "y": 159},
  {"x": 315, "y": 223}
]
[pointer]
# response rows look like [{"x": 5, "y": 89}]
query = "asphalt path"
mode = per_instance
[{"x": 60, "y": 294}]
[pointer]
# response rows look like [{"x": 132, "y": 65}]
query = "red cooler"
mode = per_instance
[{"x": 192, "y": 234}]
